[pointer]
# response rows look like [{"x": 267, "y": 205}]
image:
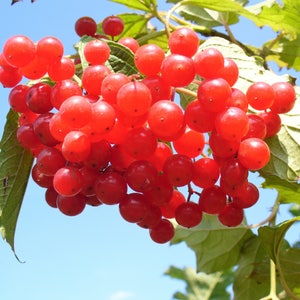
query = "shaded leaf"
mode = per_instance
[
  {"x": 252, "y": 276},
  {"x": 290, "y": 266},
  {"x": 15, "y": 167},
  {"x": 201, "y": 286},
  {"x": 273, "y": 237},
  {"x": 287, "y": 259},
  {"x": 217, "y": 247}
]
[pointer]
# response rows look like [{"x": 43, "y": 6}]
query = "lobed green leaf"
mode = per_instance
[
  {"x": 200, "y": 285},
  {"x": 144, "y": 5},
  {"x": 252, "y": 276},
  {"x": 199, "y": 14},
  {"x": 217, "y": 247},
  {"x": 287, "y": 259},
  {"x": 15, "y": 167}
]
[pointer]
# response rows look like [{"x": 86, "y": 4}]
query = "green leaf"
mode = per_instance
[
  {"x": 288, "y": 192},
  {"x": 280, "y": 17},
  {"x": 285, "y": 52},
  {"x": 144, "y": 5},
  {"x": 134, "y": 24},
  {"x": 121, "y": 58},
  {"x": 290, "y": 266},
  {"x": 252, "y": 276},
  {"x": 15, "y": 167},
  {"x": 287, "y": 259},
  {"x": 295, "y": 210},
  {"x": 198, "y": 14},
  {"x": 273, "y": 236},
  {"x": 217, "y": 247},
  {"x": 201, "y": 286},
  {"x": 158, "y": 38}
]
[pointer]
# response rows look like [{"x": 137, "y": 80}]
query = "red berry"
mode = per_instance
[{"x": 112, "y": 25}]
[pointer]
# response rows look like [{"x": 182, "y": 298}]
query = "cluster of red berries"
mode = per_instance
[{"x": 122, "y": 140}]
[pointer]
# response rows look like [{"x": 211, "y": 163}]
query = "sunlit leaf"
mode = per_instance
[
  {"x": 15, "y": 166},
  {"x": 144, "y": 5},
  {"x": 217, "y": 247},
  {"x": 207, "y": 17},
  {"x": 280, "y": 17},
  {"x": 200, "y": 285},
  {"x": 285, "y": 52}
]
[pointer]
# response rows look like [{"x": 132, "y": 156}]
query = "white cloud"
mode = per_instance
[{"x": 121, "y": 295}]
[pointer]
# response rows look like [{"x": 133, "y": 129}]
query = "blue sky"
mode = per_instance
[{"x": 96, "y": 255}]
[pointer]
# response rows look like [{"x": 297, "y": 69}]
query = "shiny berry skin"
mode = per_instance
[
  {"x": 112, "y": 26},
  {"x": 134, "y": 99},
  {"x": 212, "y": 200},
  {"x": 206, "y": 172},
  {"x": 76, "y": 111},
  {"x": 130, "y": 43},
  {"x": 163, "y": 232},
  {"x": 96, "y": 52},
  {"x": 41, "y": 127},
  {"x": 166, "y": 120},
  {"x": 232, "y": 124},
  {"x": 188, "y": 214},
  {"x": 61, "y": 69},
  {"x": 253, "y": 153},
  {"x": 148, "y": 59},
  {"x": 183, "y": 41},
  {"x": 17, "y": 98},
  {"x": 231, "y": 216},
  {"x": 38, "y": 98},
  {"x": 141, "y": 175},
  {"x": 209, "y": 62},
  {"x": 284, "y": 97},
  {"x": 71, "y": 206},
  {"x": 133, "y": 208},
  {"x": 49, "y": 48},
  {"x": 62, "y": 90},
  {"x": 110, "y": 187},
  {"x": 76, "y": 146},
  {"x": 168, "y": 210},
  {"x": 18, "y": 51},
  {"x": 49, "y": 161},
  {"x": 67, "y": 181},
  {"x": 179, "y": 169},
  {"x": 260, "y": 95},
  {"x": 214, "y": 94},
  {"x": 178, "y": 70},
  {"x": 85, "y": 26}
]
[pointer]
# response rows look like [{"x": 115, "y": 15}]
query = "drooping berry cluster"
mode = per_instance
[{"x": 122, "y": 140}]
